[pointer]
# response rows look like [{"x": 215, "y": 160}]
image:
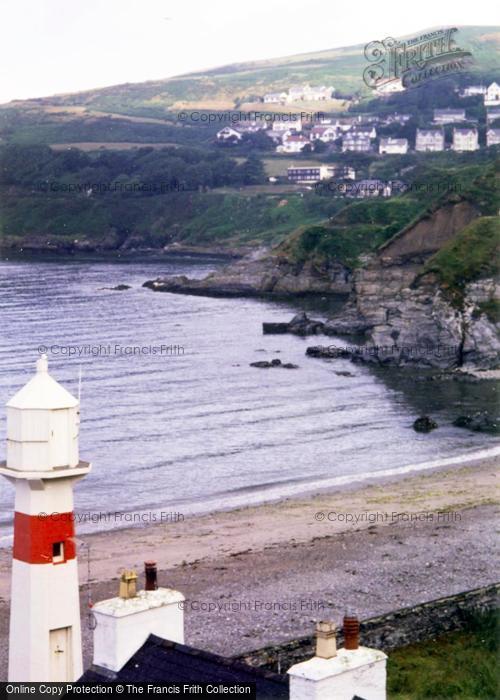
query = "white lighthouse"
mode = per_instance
[{"x": 43, "y": 464}]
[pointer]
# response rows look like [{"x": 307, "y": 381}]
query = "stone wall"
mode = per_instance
[{"x": 389, "y": 631}]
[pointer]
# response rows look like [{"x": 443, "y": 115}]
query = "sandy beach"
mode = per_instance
[{"x": 264, "y": 574}]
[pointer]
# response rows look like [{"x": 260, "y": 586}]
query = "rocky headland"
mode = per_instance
[
  {"x": 263, "y": 274},
  {"x": 418, "y": 300}
]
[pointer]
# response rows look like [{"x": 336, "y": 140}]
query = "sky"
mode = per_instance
[{"x": 54, "y": 46}]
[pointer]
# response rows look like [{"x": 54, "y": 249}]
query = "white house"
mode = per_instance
[
  {"x": 356, "y": 142},
  {"x": 293, "y": 144},
  {"x": 229, "y": 134},
  {"x": 396, "y": 118},
  {"x": 371, "y": 188},
  {"x": 472, "y": 91},
  {"x": 429, "y": 140},
  {"x": 311, "y": 94},
  {"x": 449, "y": 116},
  {"x": 275, "y": 98},
  {"x": 492, "y": 137},
  {"x": 369, "y": 131},
  {"x": 492, "y": 95},
  {"x": 390, "y": 145},
  {"x": 323, "y": 133},
  {"x": 492, "y": 114},
  {"x": 250, "y": 127},
  {"x": 280, "y": 126},
  {"x": 465, "y": 140},
  {"x": 390, "y": 87}
]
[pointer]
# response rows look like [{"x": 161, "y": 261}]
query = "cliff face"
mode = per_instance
[
  {"x": 408, "y": 316},
  {"x": 407, "y": 323},
  {"x": 429, "y": 234}
]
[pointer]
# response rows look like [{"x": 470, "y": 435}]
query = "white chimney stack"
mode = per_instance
[
  {"x": 124, "y": 623},
  {"x": 341, "y": 674}
]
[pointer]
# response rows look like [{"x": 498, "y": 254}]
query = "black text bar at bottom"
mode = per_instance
[{"x": 179, "y": 691}]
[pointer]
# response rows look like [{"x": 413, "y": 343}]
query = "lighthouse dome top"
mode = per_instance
[{"x": 42, "y": 392}]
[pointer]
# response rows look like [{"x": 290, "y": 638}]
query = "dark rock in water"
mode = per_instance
[
  {"x": 118, "y": 288},
  {"x": 300, "y": 324},
  {"x": 344, "y": 374},
  {"x": 479, "y": 422},
  {"x": 424, "y": 424},
  {"x": 264, "y": 364},
  {"x": 275, "y": 328},
  {"x": 328, "y": 351}
]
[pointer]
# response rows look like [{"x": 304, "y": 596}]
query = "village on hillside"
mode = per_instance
[{"x": 298, "y": 134}]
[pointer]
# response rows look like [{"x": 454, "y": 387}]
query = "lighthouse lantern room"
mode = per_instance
[{"x": 43, "y": 464}]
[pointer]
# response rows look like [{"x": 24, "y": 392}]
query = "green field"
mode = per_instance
[{"x": 455, "y": 666}]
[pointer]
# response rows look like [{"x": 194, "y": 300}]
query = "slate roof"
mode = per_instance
[{"x": 164, "y": 661}]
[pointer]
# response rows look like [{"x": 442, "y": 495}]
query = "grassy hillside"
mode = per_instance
[
  {"x": 363, "y": 226},
  {"x": 230, "y": 86},
  {"x": 473, "y": 254}
]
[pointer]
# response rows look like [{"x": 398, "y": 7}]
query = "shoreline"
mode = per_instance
[
  {"x": 292, "y": 491},
  {"x": 265, "y": 574},
  {"x": 455, "y": 483}
]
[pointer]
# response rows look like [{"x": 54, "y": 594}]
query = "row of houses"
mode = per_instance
[
  {"x": 456, "y": 116},
  {"x": 300, "y": 93},
  {"x": 466, "y": 139},
  {"x": 290, "y": 140}
]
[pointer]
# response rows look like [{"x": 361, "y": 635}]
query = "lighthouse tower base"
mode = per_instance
[
  {"x": 45, "y": 610},
  {"x": 45, "y": 631}
]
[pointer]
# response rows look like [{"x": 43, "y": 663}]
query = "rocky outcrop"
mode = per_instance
[
  {"x": 262, "y": 276},
  {"x": 407, "y": 316},
  {"x": 300, "y": 324},
  {"x": 424, "y": 424},
  {"x": 406, "y": 325}
]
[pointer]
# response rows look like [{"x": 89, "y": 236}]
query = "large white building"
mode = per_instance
[
  {"x": 492, "y": 137},
  {"x": 449, "y": 116},
  {"x": 429, "y": 140},
  {"x": 295, "y": 143},
  {"x": 306, "y": 93},
  {"x": 324, "y": 133},
  {"x": 492, "y": 95},
  {"x": 465, "y": 140},
  {"x": 356, "y": 142},
  {"x": 316, "y": 173},
  {"x": 391, "y": 145},
  {"x": 473, "y": 91}
]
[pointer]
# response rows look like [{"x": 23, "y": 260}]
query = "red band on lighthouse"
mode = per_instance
[{"x": 36, "y": 535}]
